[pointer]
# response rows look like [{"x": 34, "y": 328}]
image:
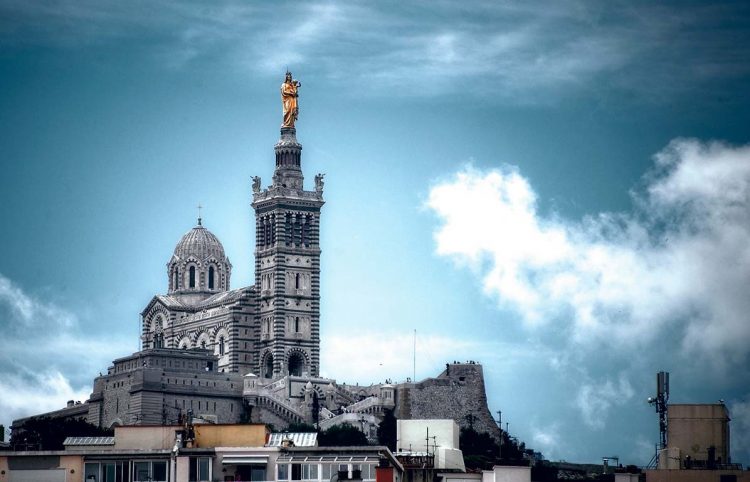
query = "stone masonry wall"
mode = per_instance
[
  {"x": 263, "y": 415},
  {"x": 456, "y": 393}
]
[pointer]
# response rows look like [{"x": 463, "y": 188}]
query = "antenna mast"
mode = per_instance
[{"x": 660, "y": 404}]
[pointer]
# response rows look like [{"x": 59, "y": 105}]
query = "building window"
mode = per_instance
[
  {"x": 106, "y": 471},
  {"x": 296, "y": 324},
  {"x": 296, "y": 363},
  {"x": 297, "y": 230},
  {"x": 221, "y": 346},
  {"x": 309, "y": 471},
  {"x": 282, "y": 472},
  {"x": 200, "y": 469},
  {"x": 155, "y": 471},
  {"x": 177, "y": 278},
  {"x": 296, "y": 281},
  {"x": 192, "y": 277},
  {"x": 288, "y": 229},
  {"x": 211, "y": 278},
  {"x": 307, "y": 230}
]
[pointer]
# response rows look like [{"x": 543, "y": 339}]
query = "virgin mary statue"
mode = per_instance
[{"x": 289, "y": 100}]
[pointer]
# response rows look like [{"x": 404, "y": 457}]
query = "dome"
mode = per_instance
[
  {"x": 198, "y": 268},
  {"x": 200, "y": 243}
]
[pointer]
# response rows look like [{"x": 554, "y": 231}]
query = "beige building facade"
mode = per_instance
[{"x": 699, "y": 431}]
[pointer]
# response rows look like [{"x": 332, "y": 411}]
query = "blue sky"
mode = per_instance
[{"x": 559, "y": 190}]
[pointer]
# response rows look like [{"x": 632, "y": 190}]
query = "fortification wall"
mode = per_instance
[{"x": 456, "y": 393}]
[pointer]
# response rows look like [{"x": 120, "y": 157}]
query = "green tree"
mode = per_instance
[
  {"x": 46, "y": 433},
  {"x": 479, "y": 449},
  {"x": 341, "y": 436},
  {"x": 387, "y": 431},
  {"x": 512, "y": 449}
]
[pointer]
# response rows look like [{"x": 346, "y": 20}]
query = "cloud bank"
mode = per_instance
[
  {"x": 522, "y": 51},
  {"x": 740, "y": 431},
  {"x": 46, "y": 358},
  {"x": 667, "y": 280},
  {"x": 374, "y": 356}
]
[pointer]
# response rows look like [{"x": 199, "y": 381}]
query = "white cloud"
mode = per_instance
[
  {"x": 36, "y": 393},
  {"x": 376, "y": 356},
  {"x": 40, "y": 341},
  {"x": 29, "y": 311},
  {"x": 662, "y": 285},
  {"x": 680, "y": 261},
  {"x": 546, "y": 440},
  {"x": 595, "y": 400}
]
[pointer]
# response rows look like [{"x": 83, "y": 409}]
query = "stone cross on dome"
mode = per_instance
[{"x": 199, "y": 214}]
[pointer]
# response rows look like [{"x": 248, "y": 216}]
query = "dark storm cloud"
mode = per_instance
[{"x": 521, "y": 51}]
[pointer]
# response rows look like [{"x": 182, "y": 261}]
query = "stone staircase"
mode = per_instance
[
  {"x": 363, "y": 406},
  {"x": 346, "y": 394},
  {"x": 326, "y": 414},
  {"x": 280, "y": 407}
]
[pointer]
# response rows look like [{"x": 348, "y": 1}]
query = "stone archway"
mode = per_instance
[
  {"x": 268, "y": 366},
  {"x": 296, "y": 364}
]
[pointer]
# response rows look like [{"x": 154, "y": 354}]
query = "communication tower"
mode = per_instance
[{"x": 660, "y": 403}]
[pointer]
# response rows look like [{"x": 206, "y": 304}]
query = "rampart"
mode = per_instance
[{"x": 458, "y": 393}]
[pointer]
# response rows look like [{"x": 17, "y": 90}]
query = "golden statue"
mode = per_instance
[{"x": 289, "y": 100}]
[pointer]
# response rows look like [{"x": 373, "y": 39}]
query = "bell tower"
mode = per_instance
[{"x": 287, "y": 265}]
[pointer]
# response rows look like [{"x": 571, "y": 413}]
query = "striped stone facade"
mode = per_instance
[
  {"x": 287, "y": 268},
  {"x": 253, "y": 353},
  {"x": 273, "y": 328}
]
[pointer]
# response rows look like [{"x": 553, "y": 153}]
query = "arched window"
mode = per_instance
[
  {"x": 268, "y": 373},
  {"x": 221, "y": 346},
  {"x": 211, "y": 278},
  {"x": 296, "y": 364},
  {"x": 192, "y": 277},
  {"x": 296, "y": 324},
  {"x": 296, "y": 281},
  {"x": 177, "y": 278}
]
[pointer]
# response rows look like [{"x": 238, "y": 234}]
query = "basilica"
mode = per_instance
[
  {"x": 268, "y": 329},
  {"x": 252, "y": 354}
]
